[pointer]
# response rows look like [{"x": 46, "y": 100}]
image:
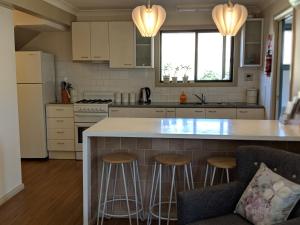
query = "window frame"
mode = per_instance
[{"x": 197, "y": 82}]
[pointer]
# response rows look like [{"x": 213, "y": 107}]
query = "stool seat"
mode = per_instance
[
  {"x": 173, "y": 159},
  {"x": 222, "y": 162},
  {"x": 118, "y": 158}
]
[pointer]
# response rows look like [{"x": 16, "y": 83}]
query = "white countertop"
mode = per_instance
[{"x": 264, "y": 130}]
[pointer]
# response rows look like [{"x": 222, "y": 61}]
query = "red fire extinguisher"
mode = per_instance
[{"x": 268, "y": 65}]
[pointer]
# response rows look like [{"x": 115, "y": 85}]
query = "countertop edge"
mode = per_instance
[
  {"x": 187, "y": 105},
  {"x": 95, "y": 134}
]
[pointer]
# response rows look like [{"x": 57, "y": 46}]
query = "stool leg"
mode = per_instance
[
  {"x": 171, "y": 193},
  {"x": 187, "y": 177},
  {"x": 126, "y": 193},
  {"x": 227, "y": 174},
  {"x": 192, "y": 176},
  {"x": 159, "y": 197},
  {"x": 114, "y": 191},
  {"x": 140, "y": 189},
  {"x": 222, "y": 175},
  {"x": 206, "y": 175},
  {"x": 135, "y": 193},
  {"x": 213, "y": 176},
  {"x": 151, "y": 194},
  {"x": 106, "y": 191},
  {"x": 100, "y": 192}
]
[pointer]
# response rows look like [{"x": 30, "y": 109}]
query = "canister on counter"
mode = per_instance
[{"x": 252, "y": 95}]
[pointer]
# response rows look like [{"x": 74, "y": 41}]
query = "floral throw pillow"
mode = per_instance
[{"x": 268, "y": 199}]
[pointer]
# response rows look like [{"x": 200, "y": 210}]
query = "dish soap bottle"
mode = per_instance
[{"x": 183, "y": 98}]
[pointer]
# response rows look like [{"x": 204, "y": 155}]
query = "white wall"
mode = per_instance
[{"x": 10, "y": 163}]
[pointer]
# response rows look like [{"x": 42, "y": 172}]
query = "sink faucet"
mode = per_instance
[{"x": 201, "y": 98}]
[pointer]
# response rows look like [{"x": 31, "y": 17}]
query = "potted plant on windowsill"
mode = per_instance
[
  {"x": 166, "y": 72},
  {"x": 185, "y": 78},
  {"x": 174, "y": 78}
]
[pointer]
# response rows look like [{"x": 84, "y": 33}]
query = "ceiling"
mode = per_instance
[{"x": 129, "y": 4}]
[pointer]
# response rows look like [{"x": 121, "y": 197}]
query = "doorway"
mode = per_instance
[{"x": 284, "y": 64}]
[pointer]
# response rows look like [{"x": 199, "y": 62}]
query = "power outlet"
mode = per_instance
[{"x": 249, "y": 77}]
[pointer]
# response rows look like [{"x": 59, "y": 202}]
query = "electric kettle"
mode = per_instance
[{"x": 145, "y": 94}]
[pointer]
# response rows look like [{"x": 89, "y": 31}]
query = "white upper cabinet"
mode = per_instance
[
  {"x": 81, "y": 41},
  {"x": 144, "y": 51},
  {"x": 121, "y": 44},
  {"x": 90, "y": 41},
  {"x": 99, "y": 41},
  {"x": 252, "y": 43}
]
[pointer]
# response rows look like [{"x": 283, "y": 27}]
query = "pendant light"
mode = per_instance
[
  {"x": 149, "y": 19},
  {"x": 229, "y": 18},
  {"x": 295, "y": 3}
]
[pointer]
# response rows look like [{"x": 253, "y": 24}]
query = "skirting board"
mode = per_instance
[{"x": 11, "y": 194}]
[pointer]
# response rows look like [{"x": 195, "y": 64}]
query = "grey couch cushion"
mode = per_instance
[{"x": 230, "y": 219}]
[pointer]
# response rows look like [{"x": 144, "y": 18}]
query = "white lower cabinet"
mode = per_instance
[
  {"x": 142, "y": 112},
  {"x": 250, "y": 114},
  {"x": 220, "y": 113},
  {"x": 209, "y": 113},
  {"x": 60, "y": 131},
  {"x": 190, "y": 113}
]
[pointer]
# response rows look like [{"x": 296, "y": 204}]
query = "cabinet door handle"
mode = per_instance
[
  {"x": 84, "y": 57},
  {"x": 127, "y": 64}
]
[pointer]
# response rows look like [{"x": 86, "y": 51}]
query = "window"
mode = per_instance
[{"x": 202, "y": 56}]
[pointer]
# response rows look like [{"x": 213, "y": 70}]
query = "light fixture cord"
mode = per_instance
[
  {"x": 148, "y": 4},
  {"x": 230, "y": 3}
]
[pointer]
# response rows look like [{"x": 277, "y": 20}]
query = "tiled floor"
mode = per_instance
[{"x": 52, "y": 196}]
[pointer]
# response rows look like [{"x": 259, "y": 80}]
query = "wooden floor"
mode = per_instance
[{"x": 52, "y": 196}]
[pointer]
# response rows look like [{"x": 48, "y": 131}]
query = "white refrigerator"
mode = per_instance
[{"x": 36, "y": 88}]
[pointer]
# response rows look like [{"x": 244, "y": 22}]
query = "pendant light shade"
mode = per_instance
[
  {"x": 148, "y": 19},
  {"x": 229, "y": 18},
  {"x": 295, "y": 3}
]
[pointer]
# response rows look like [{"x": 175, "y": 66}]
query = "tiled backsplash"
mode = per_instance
[{"x": 87, "y": 77}]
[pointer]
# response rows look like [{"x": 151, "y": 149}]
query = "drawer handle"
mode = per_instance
[
  {"x": 84, "y": 57},
  {"x": 243, "y": 111},
  {"x": 199, "y": 111},
  {"x": 60, "y": 132},
  {"x": 60, "y": 143},
  {"x": 159, "y": 111},
  {"x": 127, "y": 64},
  {"x": 170, "y": 111},
  {"x": 115, "y": 110},
  {"x": 60, "y": 110},
  {"x": 59, "y": 121},
  {"x": 212, "y": 111},
  {"x": 97, "y": 57}
]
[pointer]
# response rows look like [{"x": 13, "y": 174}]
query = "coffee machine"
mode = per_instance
[{"x": 145, "y": 94}]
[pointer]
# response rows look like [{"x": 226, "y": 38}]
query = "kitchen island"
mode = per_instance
[{"x": 198, "y": 138}]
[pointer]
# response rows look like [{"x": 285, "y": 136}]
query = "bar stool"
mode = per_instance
[
  {"x": 119, "y": 161},
  {"x": 224, "y": 163},
  {"x": 171, "y": 161}
]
